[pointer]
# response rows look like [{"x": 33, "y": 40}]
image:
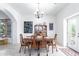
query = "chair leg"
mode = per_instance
[
  {"x": 56, "y": 47},
  {"x": 29, "y": 49},
  {"x": 24, "y": 49},
  {"x": 20, "y": 50},
  {"x": 47, "y": 47},
  {"x": 52, "y": 47}
]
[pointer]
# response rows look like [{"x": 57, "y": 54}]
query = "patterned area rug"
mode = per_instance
[{"x": 69, "y": 52}]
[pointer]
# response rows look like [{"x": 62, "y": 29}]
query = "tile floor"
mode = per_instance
[{"x": 13, "y": 50}]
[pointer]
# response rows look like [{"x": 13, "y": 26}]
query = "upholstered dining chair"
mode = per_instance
[
  {"x": 54, "y": 43},
  {"x": 41, "y": 43},
  {"x": 23, "y": 44}
]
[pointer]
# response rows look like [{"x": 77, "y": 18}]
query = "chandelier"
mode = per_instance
[{"x": 38, "y": 14}]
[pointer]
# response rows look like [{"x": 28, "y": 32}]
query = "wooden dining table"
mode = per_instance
[
  {"x": 46, "y": 39},
  {"x": 38, "y": 43}
]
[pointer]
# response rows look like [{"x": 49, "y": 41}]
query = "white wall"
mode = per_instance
[
  {"x": 3, "y": 15},
  {"x": 69, "y": 10}
]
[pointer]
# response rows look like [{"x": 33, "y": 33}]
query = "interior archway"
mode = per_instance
[{"x": 11, "y": 13}]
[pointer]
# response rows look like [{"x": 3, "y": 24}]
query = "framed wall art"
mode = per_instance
[
  {"x": 50, "y": 26},
  {"x": 28, "y": 26}
]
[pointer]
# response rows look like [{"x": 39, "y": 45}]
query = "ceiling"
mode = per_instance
[{"x": 29, "y": 8}]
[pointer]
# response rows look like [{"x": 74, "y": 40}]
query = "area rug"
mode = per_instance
[{"x": 69, "y": 52}]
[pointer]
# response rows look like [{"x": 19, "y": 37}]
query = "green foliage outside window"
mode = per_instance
[{"x": 73, "y": 31}]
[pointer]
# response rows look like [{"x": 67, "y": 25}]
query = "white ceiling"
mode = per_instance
[{"x": 30, "y": 8}]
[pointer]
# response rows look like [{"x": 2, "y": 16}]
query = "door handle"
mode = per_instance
[{"x": 78, "y": 35}]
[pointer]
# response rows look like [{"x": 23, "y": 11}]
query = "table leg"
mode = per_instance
[
  {"x": 38, "y": 44},
  {"x": 38, "y": 52}
]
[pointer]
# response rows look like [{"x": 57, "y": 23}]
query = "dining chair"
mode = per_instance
[
  {"x": 41, "y": 43},
  {"x": 23, "y": 44},
  {"x": 54, "y": 43}
]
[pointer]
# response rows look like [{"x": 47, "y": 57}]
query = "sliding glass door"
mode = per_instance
[{"x": 72, "y": 32}]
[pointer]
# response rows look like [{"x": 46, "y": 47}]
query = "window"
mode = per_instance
[{"x": 5, "y": 27}]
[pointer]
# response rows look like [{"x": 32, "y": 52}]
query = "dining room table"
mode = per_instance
[{"x": 48, "y": 41}]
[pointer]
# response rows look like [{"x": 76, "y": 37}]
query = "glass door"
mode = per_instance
[{"x": 71, "y": 32}]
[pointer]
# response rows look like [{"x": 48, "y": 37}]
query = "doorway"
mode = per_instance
[{"x": 71, "y": 32}]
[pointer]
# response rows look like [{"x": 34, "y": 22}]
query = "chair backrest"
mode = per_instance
[
  {"x": 21, "y": 38},
  {"x": 55, "y": 36},
  {"x": 39, "y": 37}
]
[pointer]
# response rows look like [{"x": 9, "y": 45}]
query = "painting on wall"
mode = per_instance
[
  {"x": 50, "y": 26},
  {"x": 28, "y": 26}
]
